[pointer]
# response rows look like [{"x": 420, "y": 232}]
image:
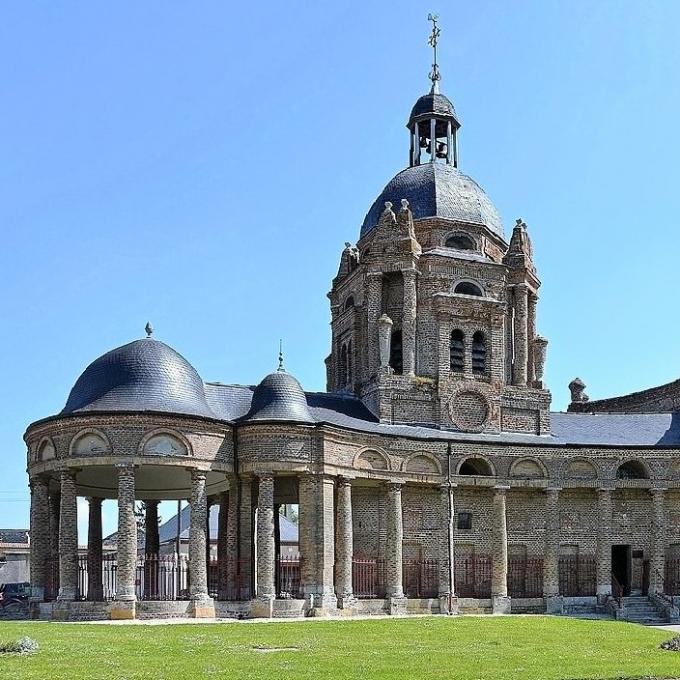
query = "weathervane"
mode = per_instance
[
  {"x": 281, "y": 369},
  {"x": 435, "y": 76}
]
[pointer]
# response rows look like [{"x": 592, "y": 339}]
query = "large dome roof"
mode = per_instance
[
  {"x": 437, "y": 190},
  {"x": 279, "y": 397},
  {"x": 144, "y": 375}
]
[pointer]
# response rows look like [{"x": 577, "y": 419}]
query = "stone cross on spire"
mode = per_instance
[{"x": 435, "y": 75}]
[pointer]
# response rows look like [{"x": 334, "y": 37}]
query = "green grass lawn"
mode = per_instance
[{"x": 527, "y": 647}]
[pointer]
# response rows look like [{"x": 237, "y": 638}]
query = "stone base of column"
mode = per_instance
[
  {"x": 66, "y": 595},
  {"x": 554, "y": 604},
  {"x": 500, "y": 604},
  {"x": 346, "y": 601},
  {"x": 448, "y": 604},
  {"x": 262, "y": 607},
  {"x": 61, "y": 611},
  {"x": 37, "y": 594},
  {"x": 397, "y": 605},
  {"x": 203, "y": 609},
  {"x": 604, "y": 591},
  {"x": 321, "y": 604},
  {"x": 123, "y": 610}
]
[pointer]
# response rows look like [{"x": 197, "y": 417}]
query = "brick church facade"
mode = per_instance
[{"x": 431, "y": 476}]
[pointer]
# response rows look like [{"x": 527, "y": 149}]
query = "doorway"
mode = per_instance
[{"x": 621, "y": 558}]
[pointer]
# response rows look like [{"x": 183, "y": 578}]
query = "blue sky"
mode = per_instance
[{"x": 200, "y": 165}]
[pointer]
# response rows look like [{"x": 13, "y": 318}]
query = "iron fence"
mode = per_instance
[
  {"x": 368, "y": 578},
  {"x": 525, "y": 577},
  {"x": 672, "y": 577},
  {"x": 577, "y": 575},
  {"x": 420, "y": 578},
  {"x": 288, "y": 577},
  {"x": 473, "y": 576}
]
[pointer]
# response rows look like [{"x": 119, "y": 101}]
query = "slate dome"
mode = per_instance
[
  {"x": 432, "y": 103},
  {"x": 437, "y": 190},
  {"x": 144, "y": 375},
  {"x": 279, "y": 397}
]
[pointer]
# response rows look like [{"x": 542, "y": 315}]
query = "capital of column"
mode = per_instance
[
  {"x": 265, "y": 476},
  {"x": 655, "y": 491},
  {"x": 501, "y": 489},
  {"x": 197, "y": 474},
  {"x": 68, "y": 472},
  {"x": 394, "y": 486},
  {"x": 553, "y": 490},
  {"x": 94, "y": 500},
  {"x": 605, "y": 490},
  {"x": 344, "y": 481},
  {"x": 125, "y": 469}
]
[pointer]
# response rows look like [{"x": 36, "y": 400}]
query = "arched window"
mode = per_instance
[
  {"x": 350, "y": 376},
  {"x": 460, "y": 241},
  {"x": 343, "y": 366},
  {"x": 475, "y": 466},
  {"x": 457, "y": 351},
  {"x": 349, "y": 303},
  {"x": 478, "y": 353},
  {"x": 396, "y": 353},
  {"x": 631, "y": 469},
  {"x": 467, "y": 288}
]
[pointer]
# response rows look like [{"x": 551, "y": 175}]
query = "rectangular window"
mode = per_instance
[{"x": 464, "y": 521}]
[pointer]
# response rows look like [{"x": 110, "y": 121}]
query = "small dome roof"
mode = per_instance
[
  {"x": 437, "y": 190},
  {"x": 144, "y": 375},
  {"x": 432, "y": 104},
  {"x": 279, "y": 397}
]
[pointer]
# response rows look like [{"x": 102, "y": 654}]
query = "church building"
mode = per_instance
[{"x": 431, "y": 476}]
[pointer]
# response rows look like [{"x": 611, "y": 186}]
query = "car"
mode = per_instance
[{"x": 14, "y": 592}]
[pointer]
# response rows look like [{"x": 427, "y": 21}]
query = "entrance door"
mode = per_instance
[{"x": 621, "y": 566}]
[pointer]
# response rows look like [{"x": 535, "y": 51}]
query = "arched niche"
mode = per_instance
[
  {"x": 163, "y": 443},
  {"x": 46, "y": 450},
  {"x": 422, "y": 464},
  {"x": 476, "y": 465},
  {"x": 632, "y": 469},
  {"x": 527, "y": 468},
  {"x": 580, "y": 469},
  {"x": 90, "y": 443},
  {"x": 371, "y": 459}
]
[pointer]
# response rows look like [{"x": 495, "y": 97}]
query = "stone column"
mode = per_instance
[
  {"x": 532, "y": 301},
  {"x": 266, "y": 548},
  {"x": 223, "y": 547},
  {"x": 551, "y": 575},
  {"x": 395, "y": 540},
  {"x": 245, "y": 540},
  {"x": 151, "y": 549},
  {"x": 52, "y": 573},
  {"x": 68, "y": 538},
  {"x": 40, "y": 537},
  {"x": 499, "y": 568},
  {"x": 344, "y": 545},
  {"x": 384, "y": 340},
  {"x": 657, "y": 563},
  {"x": 408, "y": 323},
  {"x": 444, "y": 344},
  {"x": 234, "y": 592},
  {"x": 373, "y": 305},
  {"x": 203, "y": 605},
  {"x": 127, "y": 544},
  {"x": 448, "y": 602},
  {"x": 95, "y": 586},
  {"x": 604, "y": 548},
  {"x": 520, "y": 364}
]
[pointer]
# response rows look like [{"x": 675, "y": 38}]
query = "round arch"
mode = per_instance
[
  {"x": 476, "y": 465},
  {"x": 164, "y": 442},
  {"x": 89, "y": 442},
  {"x": 528, "y": 467},
  {"x": 422, "y": 462},
  {"x": 371, "y": 458}
]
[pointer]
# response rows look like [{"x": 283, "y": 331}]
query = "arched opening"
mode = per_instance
[
  {"x": 350, "y": 377},
  {"x": 478, "y": 353},
  {"x": 475, "y": 466},
  {"x": 349, "y": 303},
  {"x": 457, "y": 351},
  {"x": 396, "y": 352},
  {"x": 631, "y": 469},
  {"x": 468, "y": 288},
  {"x": 342, "y": 378},
  {"x": 460, "y": 241}
]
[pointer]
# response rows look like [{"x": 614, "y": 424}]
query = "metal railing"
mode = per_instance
[
  {"x": 288, "y": 577},
  {"x": 368, "y": 578},
  {"x": 525, "y": 577},
  {"x": 577, "y": 575},
  {"x": 420, "y": 578},
  {"x": 473, "y": 576}
]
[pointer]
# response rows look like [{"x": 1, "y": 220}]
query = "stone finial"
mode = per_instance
[
  {"x": 148, "y": 329},
  {"x": 404, "y": 204},
  {"x": 281, "y": 368},
  {"x": 540, "y": 347},
  {"x": 577, "y": 388}
]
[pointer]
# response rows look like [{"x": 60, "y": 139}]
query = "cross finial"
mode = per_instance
[
  {"x": 149, "y": 329},
  {"x": 435, "y": 76},
  {"x": 281, "y": 369}
]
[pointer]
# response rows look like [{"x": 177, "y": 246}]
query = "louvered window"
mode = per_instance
[
  {"x": 478, "y": 353},
  {"x": 396, "y": 353},
  {"x": 457, "y": 351}
]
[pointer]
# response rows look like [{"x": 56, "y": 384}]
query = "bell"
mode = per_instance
[
  {"x": 441, "y": 150},
  {"x": 424, "y": 142}
]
